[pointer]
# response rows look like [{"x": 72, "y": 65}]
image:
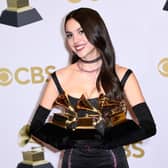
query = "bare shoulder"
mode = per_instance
[
  {"x": 132, "y": 88},
  {"x": 51, "y": 91},
  {"x": 120, "y": 70},
  {"x": 65, "y": 71},
  {"x": 51, "y": 86}
]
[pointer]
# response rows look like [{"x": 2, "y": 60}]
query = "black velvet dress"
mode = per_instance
[{"x": 87, "y": 153}]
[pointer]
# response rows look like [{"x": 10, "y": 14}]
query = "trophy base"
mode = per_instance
[
  {"x": 166, "y": 6},
  {"x": 23, "y": 165},
  {"x": 17, "y": 19}
]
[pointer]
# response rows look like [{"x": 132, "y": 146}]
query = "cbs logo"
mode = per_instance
[
  {"x": 134, "y": 150},
  {"x": 163, "y": 67},
  {"x": 24, "y": 75}
]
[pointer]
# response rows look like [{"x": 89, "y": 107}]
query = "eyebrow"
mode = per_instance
[{"x": 75, "y": 30}]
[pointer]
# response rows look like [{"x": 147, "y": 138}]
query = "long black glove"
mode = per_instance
[
  {"x": 48, "y": 133},
  {"x": 39, "y": 118},
  {"x": 129, "y": 132}
]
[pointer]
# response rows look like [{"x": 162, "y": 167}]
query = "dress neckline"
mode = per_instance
[{"x": 76, "y": 98}]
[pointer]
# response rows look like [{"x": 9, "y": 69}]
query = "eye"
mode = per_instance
[
  {"x": 81, "y": 31},
  {"x": 68, "y": 35}
]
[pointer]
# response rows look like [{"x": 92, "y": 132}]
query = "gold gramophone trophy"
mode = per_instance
[
  {"x": 33, "y": 158},
  {"x": 109, "y": 113},
  {"x": 113, "y": 111},
  {"x": 69, "y": 119},
  {"x": 19, "y": 13}
]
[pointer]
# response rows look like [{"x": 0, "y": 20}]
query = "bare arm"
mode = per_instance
[
  {"x": 133, "y": 91},
  {"x": 49, "y": 95}
]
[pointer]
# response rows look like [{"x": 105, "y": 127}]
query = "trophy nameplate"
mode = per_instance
[
  {"x": 34, "y": 159},
  {"x": 19, "y": 13},
  {"x": 33, "y": 156},
  {"x": 18, "y": 5}
]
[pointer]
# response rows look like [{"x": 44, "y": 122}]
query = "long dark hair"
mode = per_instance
[{"x": 97, "y": 34}]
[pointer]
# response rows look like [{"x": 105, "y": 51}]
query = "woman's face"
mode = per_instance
[{"x": 78, "y": 42}]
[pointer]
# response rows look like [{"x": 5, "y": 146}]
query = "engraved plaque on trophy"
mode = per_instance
[
  {"x": 19, "y": 13},
  {"x": 34, "y": 159}
]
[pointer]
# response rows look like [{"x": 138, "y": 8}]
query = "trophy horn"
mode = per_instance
[
  {"x": 83, "y": 104},
  {"x": 63, "y": 101}
]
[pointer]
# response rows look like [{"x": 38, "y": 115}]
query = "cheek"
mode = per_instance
[
  {"x": 69, "y": 44},
  {"x": 70, "y": 47},
  {"x": 90, "y": 46}
]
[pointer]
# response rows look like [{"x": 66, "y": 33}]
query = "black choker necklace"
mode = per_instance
[
  {"x": 90, "y": 61},
  {"x": 88, "y": 71}
]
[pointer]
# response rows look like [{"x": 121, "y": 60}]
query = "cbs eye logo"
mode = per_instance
[
  {"x": 163, "y": 67},
  {"x": 5, "y": 76},
  {"x": 77, "y": 1},
  {"x": 24, "y": 75}
]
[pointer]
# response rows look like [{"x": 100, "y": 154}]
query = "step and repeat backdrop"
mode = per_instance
[{"x": 32, "y": 46}]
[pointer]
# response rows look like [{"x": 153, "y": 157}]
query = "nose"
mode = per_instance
[{"x": 76, "y": 38}]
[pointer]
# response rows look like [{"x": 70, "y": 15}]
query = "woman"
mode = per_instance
[{"x": 93, "y": 72}]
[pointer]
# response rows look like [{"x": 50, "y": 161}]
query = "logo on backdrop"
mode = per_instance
[
  {"x": 19, "y": 13},
  {"x": 134, "y": 150},
  {"x": 24, "y": 75},
  {"x": 77, "y": 1},
  {"x": 163, "y": 67}
]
